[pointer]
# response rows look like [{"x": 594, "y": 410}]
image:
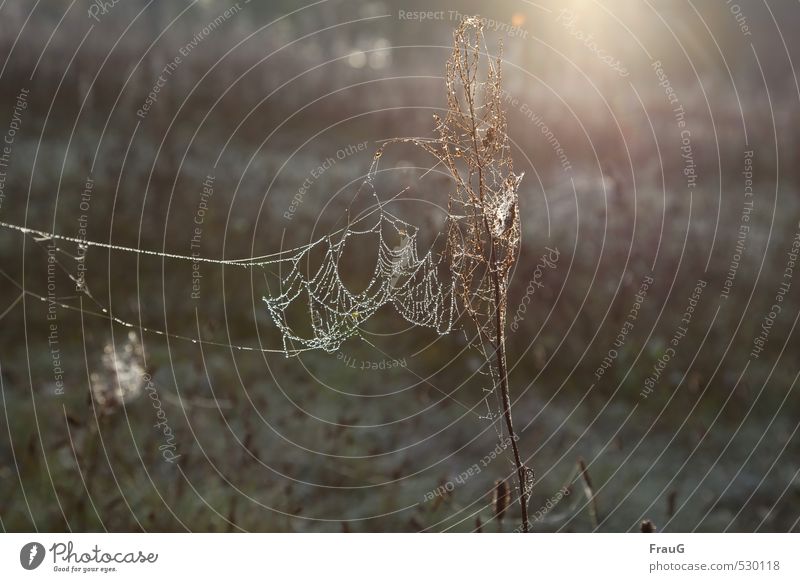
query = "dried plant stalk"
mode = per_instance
[
  {"x": 589, "y": 491},
  {"x": 483, "y": 237},
  {"x": 501, "y": 499}
]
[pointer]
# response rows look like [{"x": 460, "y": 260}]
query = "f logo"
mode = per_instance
[{"x": 31, "y": 555}]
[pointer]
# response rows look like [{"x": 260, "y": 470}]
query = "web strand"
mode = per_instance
[{"x": 402, "y": 278}]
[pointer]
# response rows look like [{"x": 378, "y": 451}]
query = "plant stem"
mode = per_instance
[{"x": 502, "y": 372}]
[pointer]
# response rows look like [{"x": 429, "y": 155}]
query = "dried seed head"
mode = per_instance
[
  {"x": 672, "y": 498},
  {"x": 648, "y": 526},
  {"x": 502, "y": 498},
  {"x": 121, "y": 376}
]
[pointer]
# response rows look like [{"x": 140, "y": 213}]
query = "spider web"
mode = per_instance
[{"x": 403, "y": 278}]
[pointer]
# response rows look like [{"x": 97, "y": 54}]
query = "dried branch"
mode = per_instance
[
  {"x": 483, "y": 229},
  {"x": 483, "y": 236}
]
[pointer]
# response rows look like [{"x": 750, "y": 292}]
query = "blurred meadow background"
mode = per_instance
[{"x": 660, "y": 147}]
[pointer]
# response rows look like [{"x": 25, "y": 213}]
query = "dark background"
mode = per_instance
[{"x": 268, "y": 443}]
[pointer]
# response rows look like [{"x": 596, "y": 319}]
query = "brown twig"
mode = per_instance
[{"x": 483, "y": 236}]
